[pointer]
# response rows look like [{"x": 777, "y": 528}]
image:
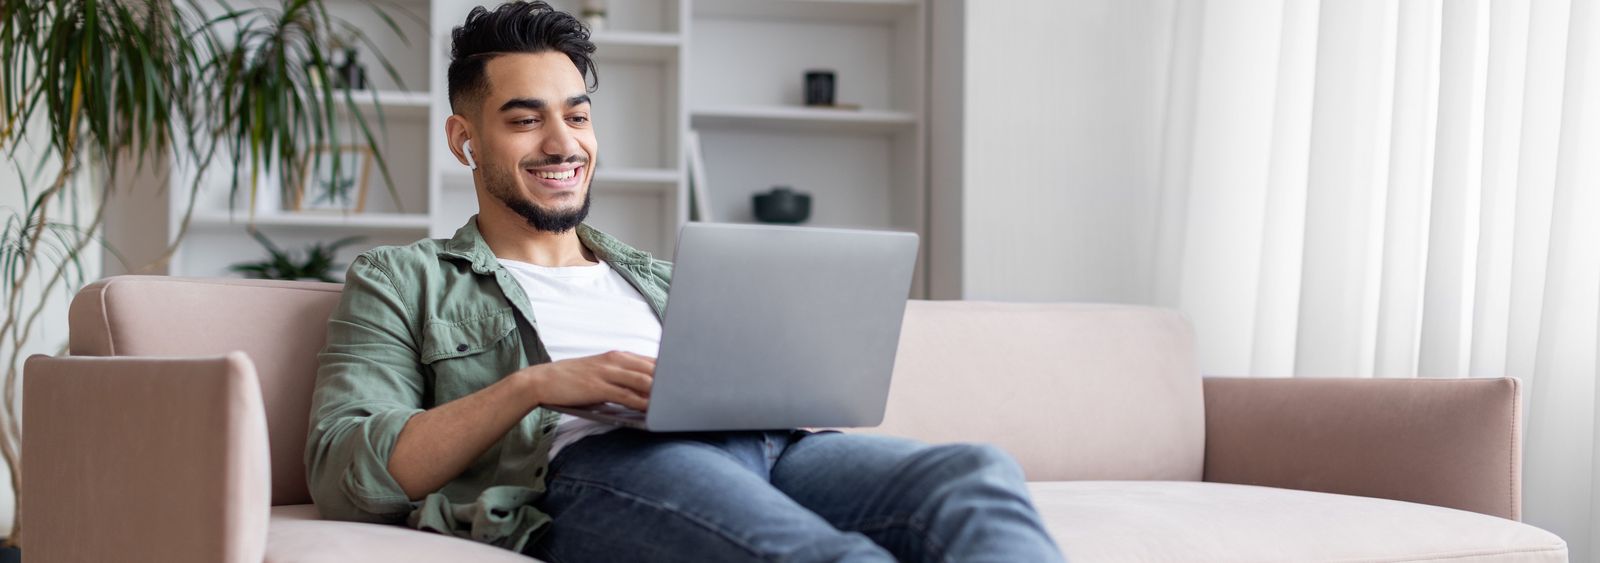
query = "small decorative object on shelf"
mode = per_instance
[
  {"x": 268, "y": 194},
  {"x": 319, "y": 190},
  {"x": 782, "y": 205},
  {"x": 594, "y": 14},
  {"x": 350, "y": 74},
  {"x": 699, "y": 194},
  {"x": 318, "y": 264},
  {"x": 819, "y": 87}
]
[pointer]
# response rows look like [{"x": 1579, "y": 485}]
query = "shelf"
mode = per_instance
[
  {"x": 812, "y": 223},
  {"x": 798, "y": 118},
  {"x": 399, "y": 16},
  {"x": 636, "y": 46},
  {"x": 864, "y": 11},
  {"x": 642, "y": 179},
  {"x": 370, "y": 221},
  {"x": 394, "y": 102},
  {"x": 650, "y": 180}
]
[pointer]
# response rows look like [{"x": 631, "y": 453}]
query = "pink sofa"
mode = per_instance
[{"x": 174, "y": 433}]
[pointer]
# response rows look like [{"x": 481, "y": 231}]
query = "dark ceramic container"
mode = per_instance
[
  {"x": 819, "y": 87},
  {"x": 782, "y": 205}
]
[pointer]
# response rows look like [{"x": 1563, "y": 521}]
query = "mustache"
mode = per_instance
[{"x": 555, "y": 159}]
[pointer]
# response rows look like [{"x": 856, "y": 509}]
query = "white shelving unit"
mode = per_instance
[
  {"x": 864, "y": 168},
  {"x": 638, "y": 45},
  {"x": 393, "y": 100},
  {"x": 730, "y": 69},
  {"x": 802, "y": 119},
  {"x": 374, "y": 221}
]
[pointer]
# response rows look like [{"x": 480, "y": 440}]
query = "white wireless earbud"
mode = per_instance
[{"x": 466, "y": 147}]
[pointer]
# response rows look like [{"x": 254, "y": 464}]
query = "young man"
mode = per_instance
[{"x": 441, "y": 352}]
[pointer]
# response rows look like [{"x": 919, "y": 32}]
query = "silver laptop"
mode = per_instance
[{"x": 775, "y": 327}]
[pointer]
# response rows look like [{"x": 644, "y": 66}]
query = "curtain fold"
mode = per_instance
[{"x": 1376, "y": 188}]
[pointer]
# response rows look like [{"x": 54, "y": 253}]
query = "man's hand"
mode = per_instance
[
  {"x": 616, "y": 376},
  {"x": 437, "y": 444}
]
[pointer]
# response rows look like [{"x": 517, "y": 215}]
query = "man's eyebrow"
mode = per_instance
[
  {"x": 536, "y": 104},
  {"x": 523, "y": 103}
]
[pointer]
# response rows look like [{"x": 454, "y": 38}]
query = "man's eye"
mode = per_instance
[
  {"x": 525, "y": 122},
  {"x": 580, "y": 119}
]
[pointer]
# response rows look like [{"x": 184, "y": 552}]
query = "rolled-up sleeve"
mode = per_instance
[{"x": 369, "y": 383}]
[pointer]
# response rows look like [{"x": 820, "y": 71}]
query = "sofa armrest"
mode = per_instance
[
  {"x": 1446, "y": 442},
  {"x": 144, "y": 459}
]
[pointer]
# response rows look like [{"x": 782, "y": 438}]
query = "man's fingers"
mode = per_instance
[
  {"x": 628, "y": 398},
  {"x": 634, "y": 361},
  {"x": 631, "y": 380}
]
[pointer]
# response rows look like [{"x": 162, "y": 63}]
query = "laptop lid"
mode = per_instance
[{"x": 772, "y": 327}]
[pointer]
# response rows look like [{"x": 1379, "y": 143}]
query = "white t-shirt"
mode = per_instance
[{"x": 583, "y": 311}]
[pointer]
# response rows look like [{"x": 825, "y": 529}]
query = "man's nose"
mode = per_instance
[{"x": 561, "y": 142}]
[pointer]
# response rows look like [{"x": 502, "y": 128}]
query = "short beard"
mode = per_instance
[{"x": 504, "y": 189}]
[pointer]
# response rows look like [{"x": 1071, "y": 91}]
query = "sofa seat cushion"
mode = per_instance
[
  {"x": 1100, "y": 521},
  {"x": 296, "y": 534}
]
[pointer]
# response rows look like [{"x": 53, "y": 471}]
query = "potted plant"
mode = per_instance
[
  {"x": 111, "y": 81},
  {"x": 317, "y": 264}
]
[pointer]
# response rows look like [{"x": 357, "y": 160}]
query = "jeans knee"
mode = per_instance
[
  {"x": 973, "y": 468},
  {"x": 975, "y": 481},
  {"x": 984, "y": 458}
]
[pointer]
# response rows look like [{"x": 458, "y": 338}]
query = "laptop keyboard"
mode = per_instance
[{"x": 619, "y": 411}]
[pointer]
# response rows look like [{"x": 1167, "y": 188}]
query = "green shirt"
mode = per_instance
[{"x": 421, "y": 325}]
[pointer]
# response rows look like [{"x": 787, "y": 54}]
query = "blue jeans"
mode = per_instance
[{"x": 629, "y": 495}]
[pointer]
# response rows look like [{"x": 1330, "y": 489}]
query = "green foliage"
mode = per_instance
[
  {"x": 131, "y": 77},
  {"x": 317, "y": 264},
  {"x": 114, "y": 81},
  {"x": 275, "y": 91}
]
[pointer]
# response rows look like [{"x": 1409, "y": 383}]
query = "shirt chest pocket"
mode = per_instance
[{"x": 467, "y": 354}]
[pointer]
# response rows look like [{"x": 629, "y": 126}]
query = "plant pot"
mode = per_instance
[{"x": 10, "y": 554}]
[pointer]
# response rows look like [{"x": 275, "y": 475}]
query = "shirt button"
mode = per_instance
[{"x": 461, "y": 348}]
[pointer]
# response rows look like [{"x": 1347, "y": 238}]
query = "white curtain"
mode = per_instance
[{"x": 1411, "y": 188}]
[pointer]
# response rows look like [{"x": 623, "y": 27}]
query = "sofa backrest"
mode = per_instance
[
  {"x": 281, "y": 325},
  {"x": 1075, "y": 391}
]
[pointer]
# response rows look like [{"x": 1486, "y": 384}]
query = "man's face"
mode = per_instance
[{"x": 534, "y": 143}]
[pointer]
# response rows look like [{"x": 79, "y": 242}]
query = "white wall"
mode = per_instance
[
  {"x": 49, "y": 334},
  {"x": 1052, "y": 119}
]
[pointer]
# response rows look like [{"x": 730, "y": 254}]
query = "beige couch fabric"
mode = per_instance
[
  {"x": 1446, "y": 442},
  {"x": 144, "y": 459},
  {"x": 296, "y": 535},
  {"x": 1151, "y": 521},
  {"x": 1095, "y": 522},
  {"x": 1104, "y": 398},
  {"x": 1073, "y": 390},
  {"x": 280, "y": 325}
]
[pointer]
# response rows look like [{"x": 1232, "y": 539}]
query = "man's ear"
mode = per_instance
[{"x": 456, "y": 130}]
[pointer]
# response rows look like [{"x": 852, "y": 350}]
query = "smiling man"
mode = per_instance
[{"x": 427, "y": 408}]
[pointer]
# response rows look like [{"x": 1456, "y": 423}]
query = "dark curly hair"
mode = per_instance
[{"x": 513, "y": 27}]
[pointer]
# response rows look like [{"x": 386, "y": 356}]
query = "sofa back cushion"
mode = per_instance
[
  {"x": 1073, "y": 390},
  {"x": 280, "y": 325}
]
